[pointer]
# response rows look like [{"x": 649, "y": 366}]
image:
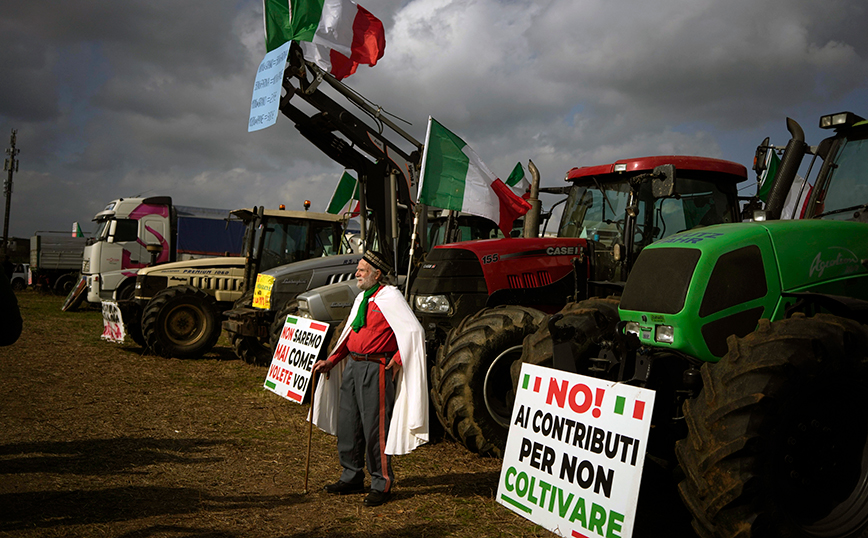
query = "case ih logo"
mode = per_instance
[
  {"x": 562, "y": 251},
  {"x": 844, "y": 258}
]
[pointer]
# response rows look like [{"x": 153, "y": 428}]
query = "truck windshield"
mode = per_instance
[
  {"x": 848, "y": 183},
  {"x": 101, "y": 229},
  {"x": 598, "y": 211}
]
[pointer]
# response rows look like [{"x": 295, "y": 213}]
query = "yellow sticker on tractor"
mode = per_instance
[{"x": 262, "y": 292}]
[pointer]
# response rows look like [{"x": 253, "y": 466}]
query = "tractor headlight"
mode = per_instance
[
  {"x": 433, "y": 304},
  {"x": 632, "y": 327},
  {"x": 664, "y": 334},
  {"x": 302, "y": 305}
]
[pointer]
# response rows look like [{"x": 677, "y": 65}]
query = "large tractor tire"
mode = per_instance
[
  {"x": 470, "y": 379},
  {"x": 250, "y": 349},
  {"x": 182, "y": 322},
  {"x": 289, "y": 309},
  {"x": 132, "y": 316},
  {"x": 777, "y": 442},
  {"x": 589, "y": 320}
]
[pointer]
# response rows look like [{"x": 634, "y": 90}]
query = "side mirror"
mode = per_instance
[
  {"x": 663, "y": 181},
  {"x": 113, "y": 226},
  {"x": 759, "y": 158}
]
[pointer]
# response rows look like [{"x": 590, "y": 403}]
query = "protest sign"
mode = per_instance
[
  {"x": 575, "y": 452},
  {"x": 112, "y": 322},
  {"x": 262, "y": 291},
  {"x": 266, "y": 89},
  {"x": 299, "y": 347}
]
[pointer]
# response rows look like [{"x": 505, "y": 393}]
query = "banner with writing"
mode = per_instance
[
  {"x": 112, "y": 322},
  {"x": 300, "y": 344},
  {"x": 266, "y": 89},
  {"x": 575, "y": 452}
]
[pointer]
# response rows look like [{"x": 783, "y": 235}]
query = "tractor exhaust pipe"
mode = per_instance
[
  {"x": 783, "y": 180},
  {"x": 532, "y": 217}
]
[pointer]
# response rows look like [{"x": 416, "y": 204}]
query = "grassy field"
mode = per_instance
[{"x": 98, "y": 439}]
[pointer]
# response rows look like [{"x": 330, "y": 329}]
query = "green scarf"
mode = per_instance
[{"x": 359, "y": 322}]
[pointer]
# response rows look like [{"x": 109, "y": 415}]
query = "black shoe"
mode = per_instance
[
  {"x": 376, "y": 498},
  {"x": 342, "y": 488}
]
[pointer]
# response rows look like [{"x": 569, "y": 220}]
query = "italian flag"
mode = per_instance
[
  {"x": 519, "y": 182},
  {"x": 337, "y": 35},
  {"x": 347, "y": 189},
  {"x": 773, "y": 162},
  {"x": 453, "y": 177}
]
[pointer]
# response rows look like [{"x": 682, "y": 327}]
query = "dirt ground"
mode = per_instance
[{"x": 97, "y": 439}]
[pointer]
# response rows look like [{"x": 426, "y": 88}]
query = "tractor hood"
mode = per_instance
[
  {"x": 701, "y": 286},
  {"x": 505, "y": 263},
  {"x": 287, "y": 281}
]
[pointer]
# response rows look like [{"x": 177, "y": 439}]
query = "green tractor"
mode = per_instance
[{"x": 753, "y": 336}]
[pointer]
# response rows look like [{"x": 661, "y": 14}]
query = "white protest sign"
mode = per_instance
[
  {"x": 112, "y": 322},
  {"x": 298, "y": 348},
  {"x": 575, "y": 451},
  {"x": 266, "y": 89}
]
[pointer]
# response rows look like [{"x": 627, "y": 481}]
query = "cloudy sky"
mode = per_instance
[{"x": 116, "y": 99}]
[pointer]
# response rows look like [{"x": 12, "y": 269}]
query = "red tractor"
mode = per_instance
[{"x": 479, "y": 299}]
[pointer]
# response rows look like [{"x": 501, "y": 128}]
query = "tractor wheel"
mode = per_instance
[
  {"x": 250, "y": 349},
  {"x": 182, "y": 322},
  {"x": 778, "y": 438},
  {"x": 132, "y": 316},
  {"x": 134, "y": 329},
  {"x": 470, "y": 380},
  {"x": 591, "y": 319},
  {"x": 18, "y": 285},
  {"x": 289, "y": 309}
]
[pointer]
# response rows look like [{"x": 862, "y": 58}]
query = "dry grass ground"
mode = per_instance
[{"x": 97, "y": 439}]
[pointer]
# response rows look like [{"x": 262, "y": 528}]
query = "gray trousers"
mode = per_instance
[{"x": 367, "y": 400}]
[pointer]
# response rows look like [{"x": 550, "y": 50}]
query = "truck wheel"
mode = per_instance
[
  {"x": 590, "y": 319},
  {"x": 64, "y": 284},
  {"x": 181, "y": 322},
  {"x": 18, "y": 284},
  {"x": 470, "y": 380},
  {"x": 778, "y": 437}
]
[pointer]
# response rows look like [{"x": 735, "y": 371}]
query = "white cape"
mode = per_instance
[{"x": 409, "y": 426}]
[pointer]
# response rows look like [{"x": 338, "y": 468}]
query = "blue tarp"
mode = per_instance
[{"x": 209, "y": 235}]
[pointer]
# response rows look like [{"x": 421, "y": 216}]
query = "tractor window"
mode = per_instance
[
  {"x": 327, "y": 240},
  {"x": 469, "y": 228},
  {"x": 592, "y": 213},
  {"x": 848, "y": 185},
  {"x": 699, "y": 203}
]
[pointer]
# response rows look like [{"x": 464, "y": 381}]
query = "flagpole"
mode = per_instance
[{"x": 419, "y": 208}]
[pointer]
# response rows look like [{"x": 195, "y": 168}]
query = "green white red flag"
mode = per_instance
[
  {"x": 518, "y": 181},
  {"x": 346, "y": 190},
  {"x": 453, "y": 177},
  {"x": 337, "y": 35}
]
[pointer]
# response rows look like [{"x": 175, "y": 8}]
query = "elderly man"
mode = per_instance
[{"x": 381, "y": 392}]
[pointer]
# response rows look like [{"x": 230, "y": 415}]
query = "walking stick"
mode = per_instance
[{"x": 309, "y": 429}]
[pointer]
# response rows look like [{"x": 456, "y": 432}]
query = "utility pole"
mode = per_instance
[{"x": 11, "y": 166}]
